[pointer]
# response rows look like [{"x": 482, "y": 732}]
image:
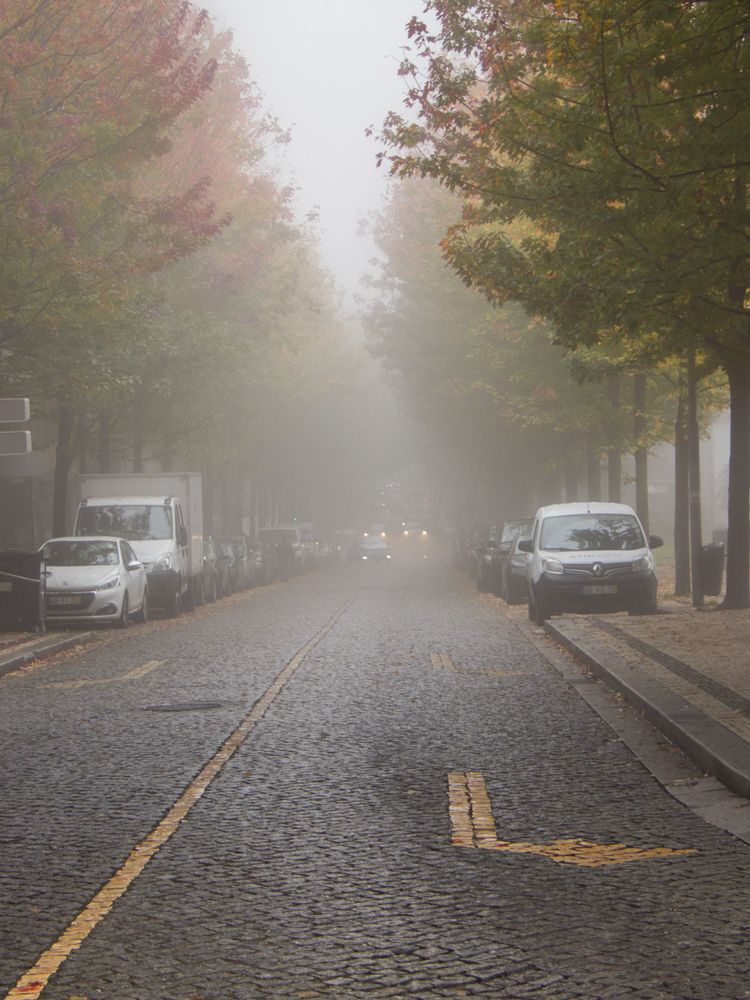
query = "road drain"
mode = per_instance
[{"x": 187, "y": 706}]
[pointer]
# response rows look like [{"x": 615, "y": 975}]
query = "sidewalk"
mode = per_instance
[
  {"x": 686, "y": 670},
  {"x": 17, "y": 649}
]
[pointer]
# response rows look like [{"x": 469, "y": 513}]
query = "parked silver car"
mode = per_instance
[{"x": 94, "y": 578}]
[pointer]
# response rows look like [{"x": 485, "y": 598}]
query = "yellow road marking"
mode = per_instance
[
  {"x": 145, "y": 668},
  {"x": 33, "y": 982},
  {"x": 442, "y": 661},
  {"x": 131, "y": 675},
  {"x": 473, "y": 825}
]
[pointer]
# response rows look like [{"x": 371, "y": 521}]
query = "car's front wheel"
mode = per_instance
[
  {"x": 538, "y": 610},
  {"x": 124, "y": 620},
  {"x": 142, "y": 614}
]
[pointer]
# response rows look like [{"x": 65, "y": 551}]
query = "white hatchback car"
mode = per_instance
[
  {"x": 589, "y": 557},
  {"x": 94, "y": 578}
]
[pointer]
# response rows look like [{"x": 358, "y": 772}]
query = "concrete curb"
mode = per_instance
[
  {"x": 42, "y": 649},
  {"x": 716, "y": 750}
]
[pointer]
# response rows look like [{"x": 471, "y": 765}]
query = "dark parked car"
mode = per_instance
[
  {"x": 485, "y": 564},
  {"x": 240, "y": 569},
  {"x": 264, "y": 562},
  {"x": 497, "y": 574},
  {"x": 515, "y": 569}
]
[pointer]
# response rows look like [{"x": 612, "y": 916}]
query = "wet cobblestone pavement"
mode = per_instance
[{"x": 320, "y": 862}]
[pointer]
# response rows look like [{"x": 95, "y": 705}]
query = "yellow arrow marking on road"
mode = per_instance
[
  {"x": 131, "y": 675},
  {"x": 473, "y": 825}
]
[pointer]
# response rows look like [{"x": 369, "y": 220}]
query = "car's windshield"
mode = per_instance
[
  {"x": 591, "y": 532},
  {"x": 511, "y": 529},
  {"x": 372, "y": 543},
  {"x": 86, "y": 553},
  {"x": 134, "y": 522}
]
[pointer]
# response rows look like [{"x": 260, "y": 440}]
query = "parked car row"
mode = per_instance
[
  {"x": 570, "y": 557},
  {"x": 100, "y": 578}
]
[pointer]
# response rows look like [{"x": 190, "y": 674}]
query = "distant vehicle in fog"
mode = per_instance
[
  {"x": 287, "y": 542},
  {"x": 371, "y": 548}
]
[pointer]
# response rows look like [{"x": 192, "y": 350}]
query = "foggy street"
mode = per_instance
[{"x": 406, "y": 781}]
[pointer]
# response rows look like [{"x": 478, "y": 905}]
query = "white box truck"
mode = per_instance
[{"x": 161, "y": 516}]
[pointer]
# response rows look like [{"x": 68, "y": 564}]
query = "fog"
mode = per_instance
[{"x": 328, "y": 71}]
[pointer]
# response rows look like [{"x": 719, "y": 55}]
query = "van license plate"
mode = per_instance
[
  {"x": 599, "y": 588},
  {"x": 74, "y": 602}
]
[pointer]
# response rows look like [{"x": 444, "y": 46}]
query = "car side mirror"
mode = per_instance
[
  {"x": 655, "y": 541},
  {"x": 182, "y": 535},
  {"x": 135, "y": 564},
  {"x": 525, "y": 545}
]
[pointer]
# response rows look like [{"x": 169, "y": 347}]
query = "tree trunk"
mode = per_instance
[
  {"x": 681, "y": 502},
  {"x": 63, "y": 462},
  {"x": 104, "y": 443},
  {"x": 614, "y": 458},
  {"x": 738, "y": 512},
  {"x": 694, "y": 479},
  {"x": 641, "y": 451},
  {"x": 593, "y": 475},
  {"x": 571, "y": 483},
  {"x": 138, "y": 436}
]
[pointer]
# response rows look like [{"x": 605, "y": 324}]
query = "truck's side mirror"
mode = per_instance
[
  {"x": 655, "y": 541},
  {"x": 182, "y": 535},
  {"x": 525, "y": 545}
]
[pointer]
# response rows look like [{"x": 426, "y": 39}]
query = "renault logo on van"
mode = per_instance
[{"x": 597, "y": 569}]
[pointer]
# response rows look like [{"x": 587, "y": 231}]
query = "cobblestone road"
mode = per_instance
[{"x": 319, "y": 862}]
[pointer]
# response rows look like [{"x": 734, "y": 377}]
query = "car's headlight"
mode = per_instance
[
  {"x": 552, "y": 566},
  {"x": 388, "y": 556},
  {"x": 643, "y": 564},
  {"x": 163, "y": 563},
  {"x": 364, "y": 557},
  {"x": 109, "y": 584}
]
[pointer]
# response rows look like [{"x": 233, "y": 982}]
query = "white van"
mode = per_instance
[{"x": 589, "y": 557}]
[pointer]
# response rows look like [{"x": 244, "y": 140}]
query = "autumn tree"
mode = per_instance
[{"x": 619, "y": 131}]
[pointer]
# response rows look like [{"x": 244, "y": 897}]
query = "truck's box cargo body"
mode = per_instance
[{"x": 160, "y": 515}]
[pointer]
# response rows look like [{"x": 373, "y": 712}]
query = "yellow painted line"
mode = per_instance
[
  {"x": 131, "y": 675},
  {"x": 143, "y": 670},
  {"x": 33, "y": 982},
  {"x": 442, "y": 661},
  {"x": 473, "y": 825}
]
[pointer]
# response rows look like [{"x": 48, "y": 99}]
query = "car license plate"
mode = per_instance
[
  {"x": 599, "y": 588},
  {"x": 69, "y": 601}
]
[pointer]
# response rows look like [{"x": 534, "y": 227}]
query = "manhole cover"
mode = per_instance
[{"x": 186, "y": 706}]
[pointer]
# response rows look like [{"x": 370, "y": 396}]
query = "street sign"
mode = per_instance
[
  {"x": 14, "y": 411},
  {"x": 15, "y": 442}
]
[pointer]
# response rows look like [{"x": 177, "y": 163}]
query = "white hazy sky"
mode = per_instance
[{"x": 328, "y": 69}]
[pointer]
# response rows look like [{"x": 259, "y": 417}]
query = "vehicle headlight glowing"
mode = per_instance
[
  {"x": 406, "y": 532},
  {"x": 163, "y": 563},
  {"x": 388, "y": 556},
  {"x": 424, "y": 532},
  {"x": 364, "y": 557},
  {"x": 643, "y": 564},
  {"x": 552, "y": 566},
  {"x": 109, "y": 584}
]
